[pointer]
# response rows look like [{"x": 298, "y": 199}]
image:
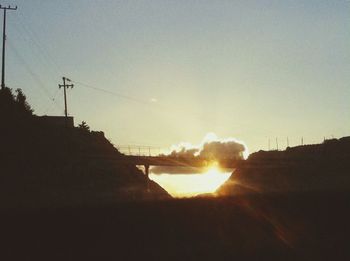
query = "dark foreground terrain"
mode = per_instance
[
  {"x": 60, "y": 199},
  {"x": 312, "y": 226}
]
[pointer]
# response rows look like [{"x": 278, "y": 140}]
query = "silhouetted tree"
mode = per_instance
[
  {"x": 7, "y": 104},
  {"x": 6, "y": 96},
  {"x": 84, "y": 127},
  {"x": 11, "y": 105},
  {"x": 6, "y": 93},
  {"x": 22, "y": 103}
]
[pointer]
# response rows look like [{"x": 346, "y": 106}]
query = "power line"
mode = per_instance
[
  {"x": 33, "y": 75},
  {"x": 34, "y": 40},
  {"x": 30, "y": 37},
  {"x": 49, "y": 58},
  {"x": 111, "y": 92},
  {"x": 33, "y": 37},
  {"x": 160, "y": 108},
  {"x": 49, "y": 107}
]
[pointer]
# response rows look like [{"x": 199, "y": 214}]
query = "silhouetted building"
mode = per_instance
[{"x": 59, "y": 121}]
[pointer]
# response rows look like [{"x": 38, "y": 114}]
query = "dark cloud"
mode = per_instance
[{"x": 212, "y": 150}]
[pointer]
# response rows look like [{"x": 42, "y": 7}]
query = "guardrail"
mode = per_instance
[{"x": 140, "y": 150}]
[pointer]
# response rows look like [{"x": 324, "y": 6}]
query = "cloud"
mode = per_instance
[
  {"x": 222, "y": 149},
  {"x": 211, "y": 148}
]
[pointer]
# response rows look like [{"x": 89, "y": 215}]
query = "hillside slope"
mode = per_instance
[
  {"x": 320, "y": 167},
  {"x": 45, "y": 165}
]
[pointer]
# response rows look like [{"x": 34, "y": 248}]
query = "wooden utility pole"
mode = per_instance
[
  {"x": 64, "y": 86},
  {"x": 3, "y": 43}
]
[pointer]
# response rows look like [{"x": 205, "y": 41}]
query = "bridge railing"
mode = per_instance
[
  {"x": 139, "y": 150},
  {"x": 152, "y": 151}
]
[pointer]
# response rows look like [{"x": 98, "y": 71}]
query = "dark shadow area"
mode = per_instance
[
  {"x": 305, "y": 226},
  {"x": 60, "y": 199}
]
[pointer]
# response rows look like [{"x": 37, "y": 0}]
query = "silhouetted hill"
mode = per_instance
[
  {"x": 43, "y": 164},
  {"x": 319, "y": 167},
  {"x": 47, "y": 165}
]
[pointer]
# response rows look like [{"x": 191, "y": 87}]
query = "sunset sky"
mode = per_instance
[{"x": 243, "y": 69}]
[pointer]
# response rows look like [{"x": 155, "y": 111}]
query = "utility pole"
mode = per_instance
[
  {"x": 3, "y": 43},
  {"x": 277, "y": 143},
  {"x": 65, "y": 86}
]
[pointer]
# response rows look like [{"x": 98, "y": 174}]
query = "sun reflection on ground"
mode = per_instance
[{"x": 188, "y": 185}]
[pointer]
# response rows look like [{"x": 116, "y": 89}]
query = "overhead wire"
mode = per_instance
[
  {"x": 32, "y": 36},
  {"x": 50, "y": 106},
  {"x": 34, "y": 76},
  {"x": 162, "y": 108},
  {"x": 111, "y": 92},
  {"x": 42, "y": 50},
  {"x": 31, "y": 39}
]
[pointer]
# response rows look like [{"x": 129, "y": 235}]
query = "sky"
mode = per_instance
[{"x": 251, "y": 70}]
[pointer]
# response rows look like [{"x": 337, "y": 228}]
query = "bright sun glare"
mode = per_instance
[{"x": 188, "y": 185}]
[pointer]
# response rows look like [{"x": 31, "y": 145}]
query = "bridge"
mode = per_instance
[
  {"x": 173, "y": 161},
  {"x": 149, "y": 156}
]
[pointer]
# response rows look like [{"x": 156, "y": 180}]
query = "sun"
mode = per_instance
[{"x": 189, "y": 185}]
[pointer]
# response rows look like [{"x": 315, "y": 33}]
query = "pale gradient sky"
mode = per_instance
[{"x": 244, "y": 69}]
